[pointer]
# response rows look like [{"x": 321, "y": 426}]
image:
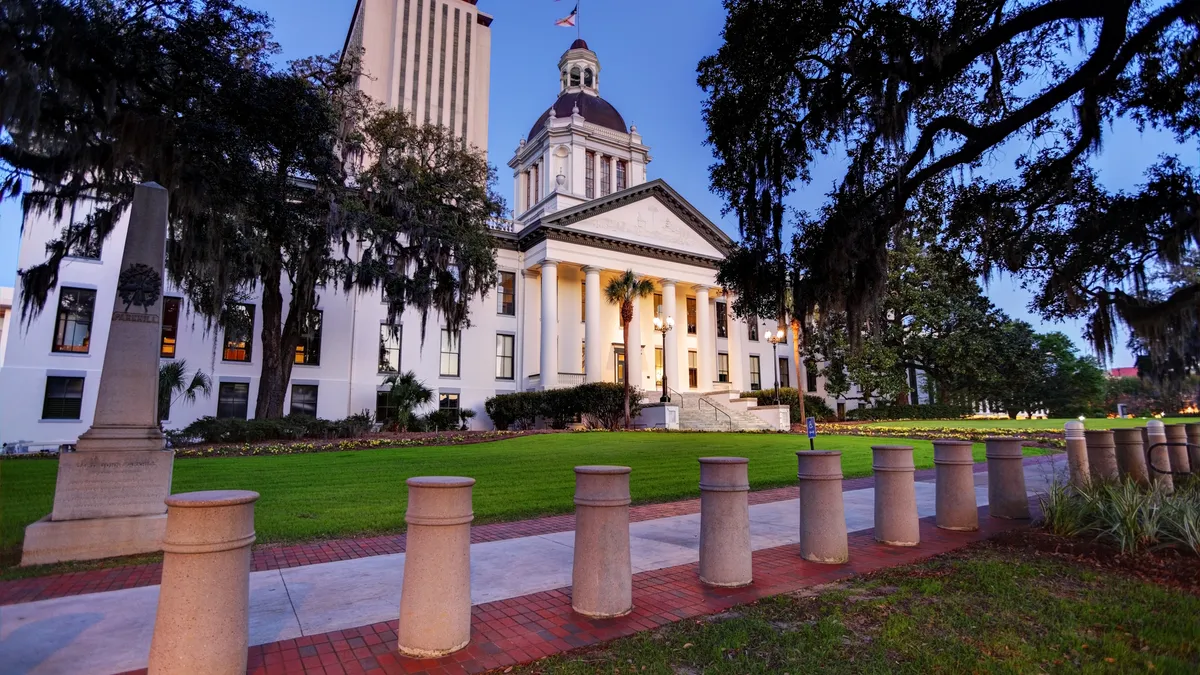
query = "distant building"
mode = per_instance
[{"x": 1127, "y": 371}]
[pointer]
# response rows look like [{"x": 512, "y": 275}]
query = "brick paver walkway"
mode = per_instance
[{"x": 524, "y": 629}]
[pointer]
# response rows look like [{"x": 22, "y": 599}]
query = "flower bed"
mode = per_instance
[
  {"x": 400, "y": 440},
  {"x": 1044, "y": 438}
]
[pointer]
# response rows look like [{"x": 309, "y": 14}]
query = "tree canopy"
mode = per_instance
[{"x": 924, "y": 98}]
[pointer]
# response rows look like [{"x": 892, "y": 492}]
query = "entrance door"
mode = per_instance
[{"x": 619, "y": 364}]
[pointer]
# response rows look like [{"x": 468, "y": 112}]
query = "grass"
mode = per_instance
[
  {"x": 1048, "y": 424},
  {"x": 980, "y": 611},
  {"x": 340, "y": 494}
]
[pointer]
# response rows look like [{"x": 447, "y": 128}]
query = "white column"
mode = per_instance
[
  {"x": 633, "y": 359},
  {"x": 594, "y": 353},
  {"x": 612, "y": 174},
  {"x": 671, "y": 344},
  {"x": 737, "y": 332},
  {"x": 549, "y": 356},
  {"x": 596, "y": 159},
  {"x": 706, "y": 353}
]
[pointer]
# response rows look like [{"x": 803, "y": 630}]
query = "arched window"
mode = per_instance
[
  {"x": 587, "y": 77},
  {"x": 575, "y": 76},
  {"x": 564, "y": 79}
]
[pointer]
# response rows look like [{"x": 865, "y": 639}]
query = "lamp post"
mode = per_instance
[
  {"x": 775, "y": 338},
  {"x": 663, "y": 325}
]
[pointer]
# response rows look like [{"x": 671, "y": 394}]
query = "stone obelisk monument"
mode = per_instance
[{"x": 110, "y": 496}]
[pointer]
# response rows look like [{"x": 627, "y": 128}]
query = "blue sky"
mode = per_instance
[{"x": 648, "y": 52}]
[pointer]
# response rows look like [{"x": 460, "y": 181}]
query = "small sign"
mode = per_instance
[{"x": 812, "y": 427}]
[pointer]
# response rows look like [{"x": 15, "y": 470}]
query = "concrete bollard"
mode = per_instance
[
  {"x": 1159, "y": 457},
  {"x": 203, "y": 620},
  {"x": 823, "y": 537},
  {"x": 956, "y": 508},
  {"x": 435, "y": 598},
  {"x": 1006, "y": 479},
  {"x": 1178, "y": 451},
  {"x": 1131, "y": 456},
  {"x": 1193, "y": 434},
  {"x": 1102, "y": 455},
  {"x": 1077, "y": 457},
  {"x": 896, "y": 521},
  {"x": 725, "y": 553},
  {"x": 602, "y": 573}
]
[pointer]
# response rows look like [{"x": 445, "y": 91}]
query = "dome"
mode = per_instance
[
  {"x": 578, "y": 44},
  {"x": 593, "y": 108}
]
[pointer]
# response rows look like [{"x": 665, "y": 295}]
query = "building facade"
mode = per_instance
[{"x": 585, "y": 212}]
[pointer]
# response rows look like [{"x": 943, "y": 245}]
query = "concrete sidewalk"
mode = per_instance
[{"x": 110, "y": 632}]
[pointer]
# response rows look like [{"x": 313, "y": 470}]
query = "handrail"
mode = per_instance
[
  {"x": 714, "y": 407},
  {"x": 1168, "y": 444}
]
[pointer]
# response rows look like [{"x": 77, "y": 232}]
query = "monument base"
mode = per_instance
[
  {"x": 112, "y": 484},
  {"x": 50, "y": 541}
]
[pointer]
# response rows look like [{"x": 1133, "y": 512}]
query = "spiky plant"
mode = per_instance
[
  {"x": 621, "y": 291},
  {"x": 174, "y": 385}
]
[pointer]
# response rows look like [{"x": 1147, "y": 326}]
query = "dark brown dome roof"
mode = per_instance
[
  {"x": 578, "y": 44},
  {"x": 593, "y": 108}
]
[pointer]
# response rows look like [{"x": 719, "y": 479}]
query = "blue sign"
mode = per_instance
[{"x": 812, "y": 427}]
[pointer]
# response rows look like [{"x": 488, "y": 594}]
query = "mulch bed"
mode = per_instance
[{"x": 1167, "y": 566}]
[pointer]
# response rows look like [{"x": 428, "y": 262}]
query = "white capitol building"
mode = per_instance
[{"x": 584, "y": 212}]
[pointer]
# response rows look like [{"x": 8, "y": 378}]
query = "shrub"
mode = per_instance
[
  {"x": 442, "y": 420},
  {"x": 559, "y": 407},
  {"x": 597, "y": 404},
  {"x": 602, "y": 404},
  {"x": 520, "y": 409},
  {"x": 1126, "y": 515},
  {"x": 292, "y": 427},
  {"x": 815, "y": 406},
  {"x": 925, "y": 411}
]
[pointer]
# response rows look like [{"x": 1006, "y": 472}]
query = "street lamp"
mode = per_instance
[
  {"x": 775, "y": 338},
  {"x": 663, "y": 326}
]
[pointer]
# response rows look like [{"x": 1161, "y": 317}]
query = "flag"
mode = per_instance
[{"x": 568, "y": 20}]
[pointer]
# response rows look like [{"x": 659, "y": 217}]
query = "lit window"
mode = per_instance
[
  {"x": 304, "y": 399},
  {"x": 658, "y": 308},
  {"x": 232, "y": 400},
  {"x": 308, "y": 352},
  {"x": 448, "y": 401},
  {"x": 619, "y": 364},
  {"x": 691, "y": 316},
  {"x": 504, "y": 357},
  {"x": 450, "y": 353},
  {"x": 506, "y": 294},
  {"x": 73, "y": 325},
  {"x": 389, "y": 349},
  {"x": 63, "y": 398},
  {"x": 693, "y": 370},
  {"x": 658, "y": 366},
  {"x": 170, "y": 328},
  {"x": 239, "y": 333}
]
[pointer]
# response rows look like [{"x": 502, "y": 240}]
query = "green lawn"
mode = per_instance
[
  {"x": 337, "y": 494},
  {"x": 982, "y": 611},
  {"x": 1090, "y": 423}
]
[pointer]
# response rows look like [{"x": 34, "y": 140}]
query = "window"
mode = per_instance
[
  {"x": 84, "y": 247},
  {"x": 658, "y": 308},
  {"x": 575, "y": 76},
  {"x": 658, "y": 366},
  {"x": 385, "y": 409},
  {"x": 73, "y": 326},
  {"x": 589, "y": 175},
  {"x": 232, "y": 398},
  {"x": 693, "y": 371},
  {"x": 587, "y": 77},
  {"x": 239, "y": 334},
  {"x": 389, "y": 348},
  {"x": 308, "y": 352},
  {"x": 63, "y": 399},
  {"x": 448, "y": 401},
  {"x": 504, "y": 357},
  {"x": 450, "y": 353},
  {"x": 722, "y": 367},
  {"x": 605, "y": 176},
  {"x": 619, "y": 364},
  {"x": 755, "y": 374},
  {"x": 810, "y": 370},
  {"x": 170, "y": 328},
  {"x": 506, "y": 295},
  {"x": 752, "y": 328},
  {"x": 722, "y": 323},
  {"x": 620, "y": 174},
  {"x": 304, "y": 399},
  {"x": 583, "y": 301},
  {"x": 691, "y": 316},
  {"x": 785, "y": 375}
]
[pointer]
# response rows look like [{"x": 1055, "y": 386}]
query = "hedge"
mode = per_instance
[
  {"x": 814, "y": 406},
  {"x": 292, "y": 427},
  {"x": 926, "y": 411},
  {"x": 596, "y": 404}
]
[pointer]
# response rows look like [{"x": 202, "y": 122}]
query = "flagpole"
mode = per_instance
[{"x": 578, "y": 29}]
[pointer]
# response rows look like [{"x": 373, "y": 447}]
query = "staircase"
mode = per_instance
[{"x": 726, "y": 412}]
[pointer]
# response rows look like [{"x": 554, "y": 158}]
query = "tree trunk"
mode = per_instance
[
  {"x": 627, "y": 316},
  {"x": 801, "y": 381},
  {"x": 279, "y": 340}
]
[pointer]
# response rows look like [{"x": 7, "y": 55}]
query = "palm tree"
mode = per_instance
[
  {"x": 406, "y": 394},
  {"x": 621, "y": 291},
  {"x": 173, "y": 385}
]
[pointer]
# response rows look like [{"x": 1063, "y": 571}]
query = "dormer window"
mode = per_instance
[
  {"x": 587, "y": 77},
  {"x": 575, "y": 76}
]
